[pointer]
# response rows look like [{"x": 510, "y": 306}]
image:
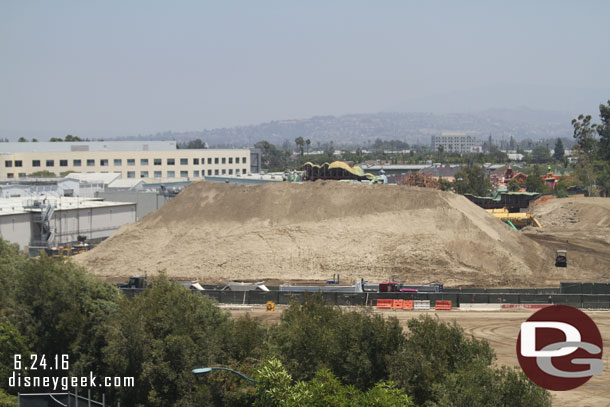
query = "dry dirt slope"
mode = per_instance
[
  {"x": 582, "y": 226},
  {"x": 216, "y": 232}
]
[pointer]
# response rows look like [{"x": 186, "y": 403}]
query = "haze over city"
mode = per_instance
[{"x": 122, "y": 69}]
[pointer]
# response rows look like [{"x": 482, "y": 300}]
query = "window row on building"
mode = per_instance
[
  {"x": 169, "y": 174},
  {"x": 118, "y": 162}
]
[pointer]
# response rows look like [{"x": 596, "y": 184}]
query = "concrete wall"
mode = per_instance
[
  {"x": 146, "y": 202},
  {"x": 94, "y": 223},
  {"x": 16, "y": 229}
]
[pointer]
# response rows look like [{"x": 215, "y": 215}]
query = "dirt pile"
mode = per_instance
[
  {"x": 283, "y": 231},
  {"x": 581, "y": 226},
  {"x": 574, "y": 213}
]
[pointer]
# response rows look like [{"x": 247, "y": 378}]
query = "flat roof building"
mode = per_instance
[
  {"x": 38, "y": 223},
  {"x": 150, "y": 161},
  {"x": 455, "y": 142}
]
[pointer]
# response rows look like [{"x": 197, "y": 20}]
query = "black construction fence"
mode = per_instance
[
  {"x": 575, "y": 294},
  {"x": 594, "y": 301}
]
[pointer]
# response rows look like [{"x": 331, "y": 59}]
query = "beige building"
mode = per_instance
[{"x": 149, "y": 161}]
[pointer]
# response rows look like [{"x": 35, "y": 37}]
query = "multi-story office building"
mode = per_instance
[
  {"x": 454, "y": 142},
  {"x": 151, "y": 160}
]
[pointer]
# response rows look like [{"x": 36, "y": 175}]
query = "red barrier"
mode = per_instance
[
  {"x": 384, "y": 304},
  {"x": 407, "y": 305},
  {"x": 443, "y": 305},
  {"x": 397, "y": 304}
]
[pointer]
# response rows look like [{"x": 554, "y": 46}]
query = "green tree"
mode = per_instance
[
  {"x": 481, "y": 385},
  {"x": 308, "y": 143},
  {"x": 70, "y": 137},
  {"x": 43, "y": 174},
  {"x": 12, "y": 263},
  {"x": 300, "y": 144},
  {"x": 445, "y": 185},
  {"x": 353, "y": 345},
  {"x": 513, "y": 186},
  {"x": 7, "y": 400},
  {"x": 432, "y": 351},
  {"x": 62, "y": 309},
  {"x": 56, "y": 139},
  {"x": 584, "y": 133},
  {"x": 192, "y": 144},
  {"x": 22, "y": 140},
  {"x": 11, "y": 343},
  {"x": 534, "y": 182},
  {"x": 593, "y": 155},
  {"x": 603, "y": 130},
  {"x": 472, "y": 180},
  {"x": 276, "y": 388},
  {"x": 602, "y": 177},
  {"x": 541, "y": 154},
  {"x": 559, "y": 152},
  {"x": 273, "y": 159},
  {"x": 158, "y": 337},
  {"x": 34, "y": 140}
]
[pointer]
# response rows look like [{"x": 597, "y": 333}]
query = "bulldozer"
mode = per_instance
[{"x": 561, "y": 258}]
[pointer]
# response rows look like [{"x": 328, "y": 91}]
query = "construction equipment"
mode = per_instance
[
  {"x": 335, "y": 279},
  {"x": 134, "y": 282},
  {"x": 65, "y": 251},
  {"x": 396, "y": 287},
  {"x": 561, "y": 258},
  {"x": 357, "y": 287},
  {"x": 390, "y": 287},
  {"x": 245, "y": 286},
  {"x": 516, "y": 219}
]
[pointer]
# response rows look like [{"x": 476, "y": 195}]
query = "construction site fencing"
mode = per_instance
[
  {"x": 584, "y": 288},
  {"x": 591, "y": 301},
  {"x": 544, "y": 290}
]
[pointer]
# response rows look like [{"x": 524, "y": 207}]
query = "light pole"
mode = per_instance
[{"x": 205, "y": 370}]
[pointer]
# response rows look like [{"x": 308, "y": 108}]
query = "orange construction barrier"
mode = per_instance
[
  {"x": 443, "y": 306},
  {"x": 407, "y": 304},
  {"x": 397, "y": 304},
  {"x": 384, "y": 304}
]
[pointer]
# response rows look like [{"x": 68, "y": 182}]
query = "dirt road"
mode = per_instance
[{"x": 501, "y": 328}]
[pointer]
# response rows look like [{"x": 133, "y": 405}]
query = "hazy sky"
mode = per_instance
[{"x": 95, "y": 68}]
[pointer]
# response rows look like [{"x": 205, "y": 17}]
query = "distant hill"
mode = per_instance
[{"x": 362, "y": 129}]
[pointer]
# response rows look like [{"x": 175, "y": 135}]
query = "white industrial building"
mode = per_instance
[
  {"x": 456, "y": 142},
  {"x": 37, "y": 223}
]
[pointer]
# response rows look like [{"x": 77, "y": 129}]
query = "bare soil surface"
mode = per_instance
[
  {"x": 286, "y": 232},
  {"x": 501, "y": 328},
  {"x": 582, "y": 227}
]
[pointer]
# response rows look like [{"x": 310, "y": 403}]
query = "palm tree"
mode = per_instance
[{"x": 300, "y": 143}]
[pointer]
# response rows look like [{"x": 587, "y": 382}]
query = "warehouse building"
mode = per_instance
[
  {"x": 151, "y": 161},
  {"x": 38, "y": 223}
]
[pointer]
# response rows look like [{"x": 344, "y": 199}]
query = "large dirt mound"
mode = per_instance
[
  {"x": 581, "y": 226},
  {"x": 574, "y": 213},
  {"x": 283, "y": 231}
]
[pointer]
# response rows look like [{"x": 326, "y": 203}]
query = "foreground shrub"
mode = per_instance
[
  {"x": 354, "y": 345},
  {"x": 276, "y": 388}
]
